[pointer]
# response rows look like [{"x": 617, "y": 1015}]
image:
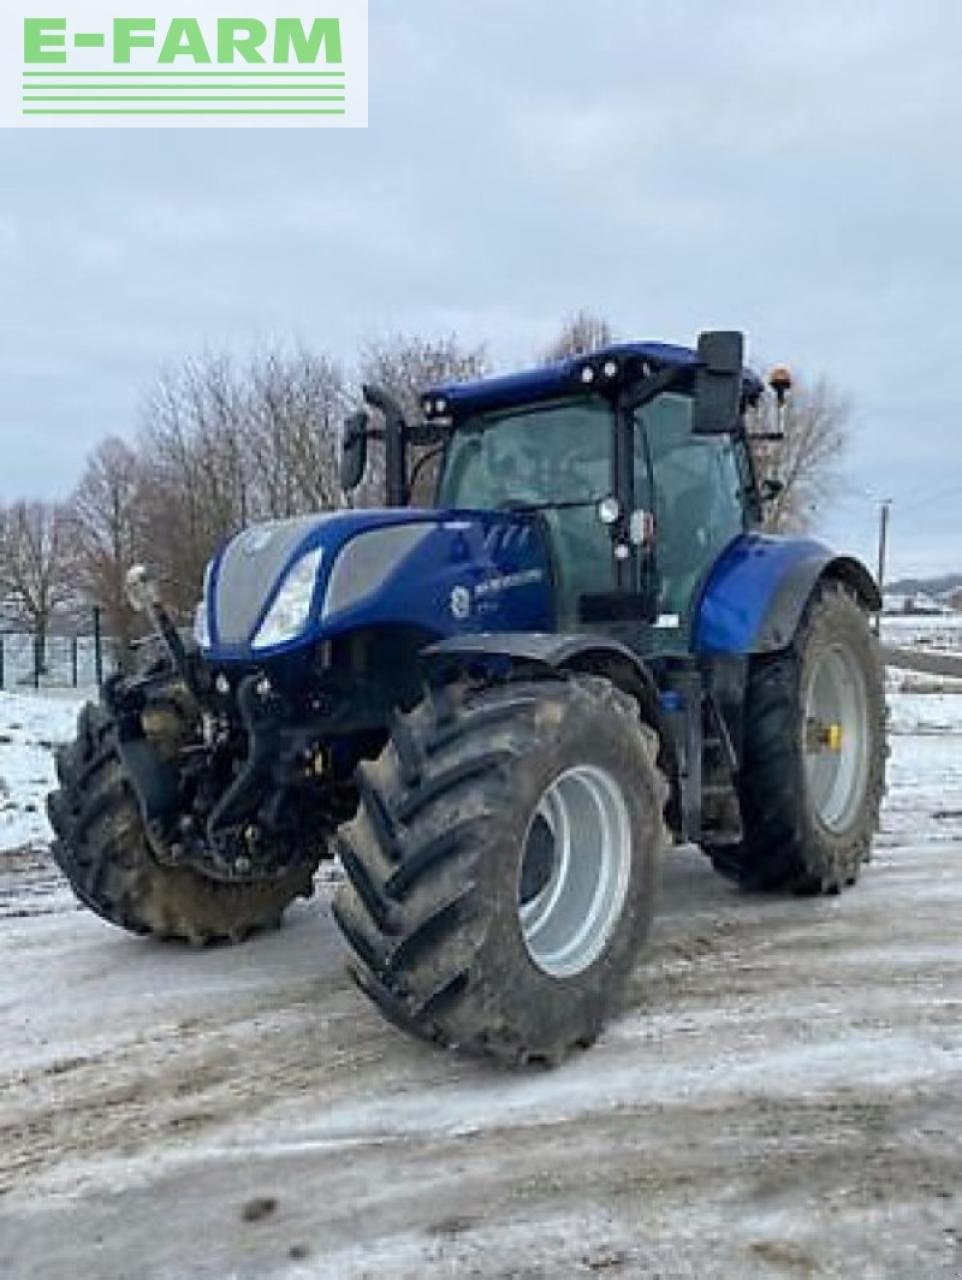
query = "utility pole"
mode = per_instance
[
  {"x": 98, "y": 649},
  {"x": 883, "y": 537}
]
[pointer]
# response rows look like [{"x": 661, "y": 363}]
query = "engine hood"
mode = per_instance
[{"x": 444, "y": 572}]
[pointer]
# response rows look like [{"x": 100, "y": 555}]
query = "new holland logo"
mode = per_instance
[{"x": 279, "y": 62}]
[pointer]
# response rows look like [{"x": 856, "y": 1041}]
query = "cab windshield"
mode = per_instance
[
  {"x": 551, "y": 454},
  {"x": 554, "y": 457}
]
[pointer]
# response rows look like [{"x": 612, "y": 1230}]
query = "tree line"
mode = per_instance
[{"x": 222, "y": 442}]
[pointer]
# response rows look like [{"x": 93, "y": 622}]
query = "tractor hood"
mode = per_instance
[{"x": 288, "y": 584}]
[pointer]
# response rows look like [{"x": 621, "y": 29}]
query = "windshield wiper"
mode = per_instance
[{"x": 525, "y": 507}]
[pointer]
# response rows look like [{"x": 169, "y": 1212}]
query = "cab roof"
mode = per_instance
[{"x": 634, "y": 360}]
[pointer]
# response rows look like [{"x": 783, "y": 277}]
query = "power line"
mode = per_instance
[{"x": 953, "y": 491}]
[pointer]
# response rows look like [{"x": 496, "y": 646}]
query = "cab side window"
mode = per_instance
[{"x": 697, "y": 500}]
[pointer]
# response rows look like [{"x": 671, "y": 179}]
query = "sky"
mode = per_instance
[{"x": 789, "y": 170}]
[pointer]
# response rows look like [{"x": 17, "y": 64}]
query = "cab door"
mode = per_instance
[{"x": 695, "y": 490}]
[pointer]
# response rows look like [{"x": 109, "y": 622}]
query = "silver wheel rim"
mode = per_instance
[
  {"x": 568, "y": 922},
  {"x": 836, "y": 742}
]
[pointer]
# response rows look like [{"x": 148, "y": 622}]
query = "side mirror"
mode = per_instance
[
  {"x": 718, "y": 383},
  {"x": 353, "y": 451}
]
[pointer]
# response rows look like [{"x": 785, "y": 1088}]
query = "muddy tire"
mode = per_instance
[
  {"x": 813, "y": 776},
  {"x": 102, "y": 848},
  {"x": 473, "y": 920}
]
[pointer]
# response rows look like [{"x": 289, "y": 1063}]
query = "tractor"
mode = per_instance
[{"x": 496, "y": 712}]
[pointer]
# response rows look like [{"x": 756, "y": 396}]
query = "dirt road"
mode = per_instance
[
  {"x": 936, "y": 664},
  {"x": 783, "y": 1097}
]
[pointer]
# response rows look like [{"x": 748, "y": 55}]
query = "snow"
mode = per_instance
[
  {"x": 926, "y": 713},
  {"x": 30, "y": 725},
  {"x": 923, "y": 774},
  {"x": 938, "y": 634}
]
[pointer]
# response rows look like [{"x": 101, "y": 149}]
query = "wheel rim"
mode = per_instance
[
  {"x": 836, "y": 738},
  {"x": 575, "y": 870}
]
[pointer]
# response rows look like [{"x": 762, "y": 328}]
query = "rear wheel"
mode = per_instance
[
  {"x": 502, "y": 865},
  {"x": 103, "y": 850},
  {"x": 813, "y": 775}
]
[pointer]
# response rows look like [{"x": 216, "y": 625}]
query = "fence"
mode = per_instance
[{"x": 82, "y": 659}]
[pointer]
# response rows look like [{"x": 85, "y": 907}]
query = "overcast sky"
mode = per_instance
[{"x": 793, "y": 170}]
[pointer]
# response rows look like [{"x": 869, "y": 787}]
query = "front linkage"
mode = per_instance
[{"x": 247, "y": 785}]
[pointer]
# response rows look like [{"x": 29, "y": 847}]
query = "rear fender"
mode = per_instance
[{"x": 757, "y": 593}]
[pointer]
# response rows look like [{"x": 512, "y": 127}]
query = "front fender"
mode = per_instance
[
  {"x": 555, "y": 652},
  {"x": 756, "y": 594}
]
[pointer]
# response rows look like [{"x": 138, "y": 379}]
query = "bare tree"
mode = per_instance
[
  {"x": 808, "y": 461},
  {"x": 35, "y": 577},
  {"x": 581, "y": 332},
  {"x": 107, "y": 536},
  {"x": 225, "y": 443},
  {"x": 407, "y": 367},
  {"x": 183, "y": 503},
  {"x": 294, "y": 405}
]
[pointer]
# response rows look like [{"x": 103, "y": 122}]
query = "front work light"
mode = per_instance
[{"x": 291, "y": 610}]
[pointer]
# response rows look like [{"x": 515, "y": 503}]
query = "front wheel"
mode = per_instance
[
  {"x": 813, "y": 773},
  {"x": 102, "y": 846},
  {"x": 501, "y": 869}
]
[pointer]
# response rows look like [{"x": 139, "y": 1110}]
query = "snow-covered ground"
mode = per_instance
[
  {"x": 942, "y": 633},
  {"x": 925, "y": 767},
  {"x": 30, "y": 724},
  {"x": 921, "y": 707},
  {"x": 780, "y": 1099}
]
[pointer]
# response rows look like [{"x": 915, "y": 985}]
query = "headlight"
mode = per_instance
[
  {"x": 289, "y": 613},
  {"x": 202, "y": 626},
  {"x": 201, "y": 620}
]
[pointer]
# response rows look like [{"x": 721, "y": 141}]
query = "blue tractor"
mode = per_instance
[{"x": 497, "y": 711}]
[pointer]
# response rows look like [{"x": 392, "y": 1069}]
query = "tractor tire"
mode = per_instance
[
  {"x": 102, "y": 848},
  {"x": 468, "y": 920},
  {"x": 813, "y": 773}
]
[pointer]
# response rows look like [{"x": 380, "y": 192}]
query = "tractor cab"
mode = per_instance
[
  {"x": 632, "y": 462},
  {"x": 691, "y": 497}
]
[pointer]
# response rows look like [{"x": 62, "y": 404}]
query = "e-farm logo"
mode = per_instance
[{"x": 110, "y": 64}]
